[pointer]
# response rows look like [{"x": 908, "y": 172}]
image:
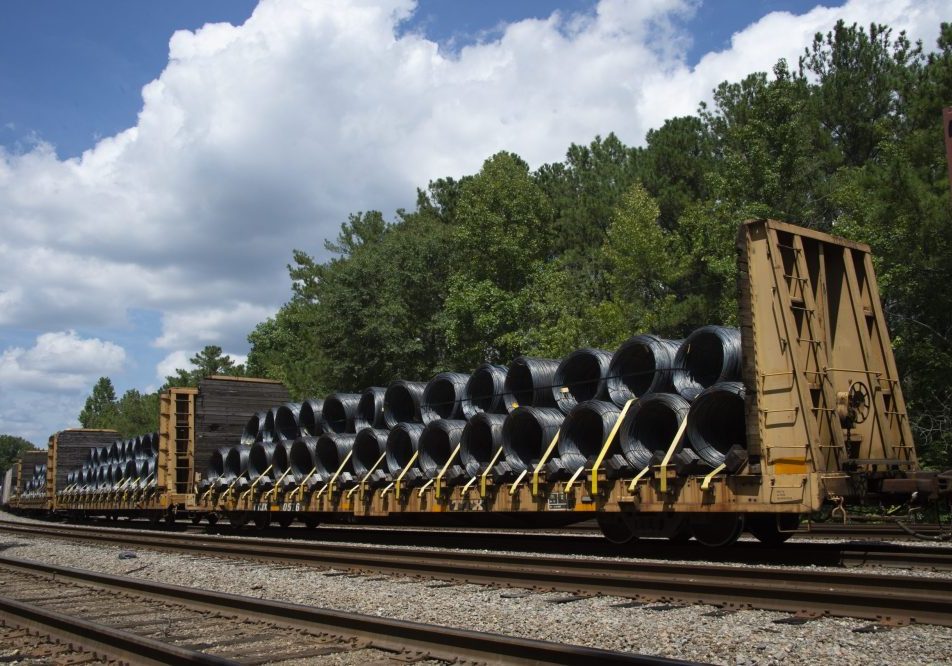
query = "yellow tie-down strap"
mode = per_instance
[
  {"x": 482, "y": 478},
  {"x": 277, "y": 484},
  {"x": 707, "y": 479},
  {"x": 370, "y": 471},
  {"x": 449, "y": 461},
  {"x": 231, "y": 486},
  {"x": 608, "y": 442},
  {"x": 330, "y": 484},
  {"x": 254, "y": 483},
  {"x": 515, "y": 484},
  {"x": 542, "y": 462},
  {"x": 664, "y": 463},
  {"x": 634, "y": 481},
  {"x": 403, "y": 472},
  {"x": 300, "y": 490},
  {"x": 667, "y": 456}
]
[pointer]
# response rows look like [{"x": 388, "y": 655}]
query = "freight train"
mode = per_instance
[{"x": 797, "y": 409}]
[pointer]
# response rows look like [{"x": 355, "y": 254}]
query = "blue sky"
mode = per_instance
[
  {"x": 156, "y": 172},
  {"x": 71, "y": 72}
]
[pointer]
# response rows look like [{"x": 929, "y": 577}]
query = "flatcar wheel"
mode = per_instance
[
  {"x": 615, "y": 529},
  {"x": 681, "y": 535},
  {"x": 262, "y": 519},
  {"x": 773, "y": 528},
  {"x": 285, "y": 520},
  {"x": 196, "y": 518},
  {"x": 238, "y": 518},
  {"x": 716, "y": 531},
  {"x": 311, "y": 522},
  {"x": 212, "y": 518}
]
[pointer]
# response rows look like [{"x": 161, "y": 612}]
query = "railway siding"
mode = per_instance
[{"x": 695, "y": 632}]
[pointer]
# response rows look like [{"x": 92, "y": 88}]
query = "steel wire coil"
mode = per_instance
[
  {"x": 437, "y": 442},
  {"x": 268, "y": 425},
  {"x": 114, "y": 451},
  {"x": 526, "y": 433},
  {"x": 581, "y": 376},
  {"x": 370, "y": 409},
  {"x": 711, "y": 354},
  {"x": 651, "y": 426},
  {"x": 146, "y": 472},
  {"x": 369, "y": 445},
  {"x": 311, "y": 418},
  {"x": 131, "y": 469},
  {"x": 484, "y": 392},
  {"x": 236, "y": 462},
  {"x": 717, "y": 421},
  {"x": 146, "y": 445},
  {"x": 529, "y": 383},
  {"x": 584, "y": 431},
  {"x": 442, "y": 397},
  {"x": 402, "y": 442},
  {"x": 115, "y": 473},
  {"x": 216, "y": 464},
  {"x": 329, "y": 453},
  {"x": 301, "y": 458},
  {"x": 286, "y": 421},
  {"x": 280, "y": 457},
  {"x": 92, "y": 457},
  {"x": 253, "y": 429},
  {"x": 260, "y": 458},
  {"x": 339, "y": 411},
  {"x": 102, "y": 477},
  {"x": 481, "y": 439},
  {"x": 643, "y": 364},
  {"x": 401, "y": 403},
  {"x": 104, "y": 454},
  {"x": 154, "y": 452}
]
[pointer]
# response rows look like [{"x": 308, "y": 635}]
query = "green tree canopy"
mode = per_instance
[
  {"x": 209, "y": 361},
  {"x": 11, "y": 448},
  {"x": 100, "y": 410}
]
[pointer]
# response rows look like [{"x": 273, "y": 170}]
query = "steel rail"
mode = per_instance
[
  {"x": 886, "y": 530},
  {"x": 437, "y": 642},
  {"x": 99, "y": 638},
  {"x": 918, "y": 556},
  {"x": 881, "y": 598}
]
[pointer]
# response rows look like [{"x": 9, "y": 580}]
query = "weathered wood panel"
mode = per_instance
[
  {"x": 72, "y": 449},
  {"x": 223, "y": 407}
]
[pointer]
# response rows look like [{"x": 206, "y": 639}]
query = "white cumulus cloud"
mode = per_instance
[{"x": 59, "y": 361}]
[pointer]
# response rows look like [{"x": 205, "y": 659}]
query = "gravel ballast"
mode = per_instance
[{"x": 699, "y": 633}]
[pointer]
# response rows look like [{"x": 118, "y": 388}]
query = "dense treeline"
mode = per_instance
[
  {"x": 618, "y": 239},
  {"x": 11, "y": 448}
]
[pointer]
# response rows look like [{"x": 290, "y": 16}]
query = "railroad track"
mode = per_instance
[
  {"x": 580, "y": 542},
  {"x": 143, "y": 622},
  {"x": 880, "y": 598}
]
